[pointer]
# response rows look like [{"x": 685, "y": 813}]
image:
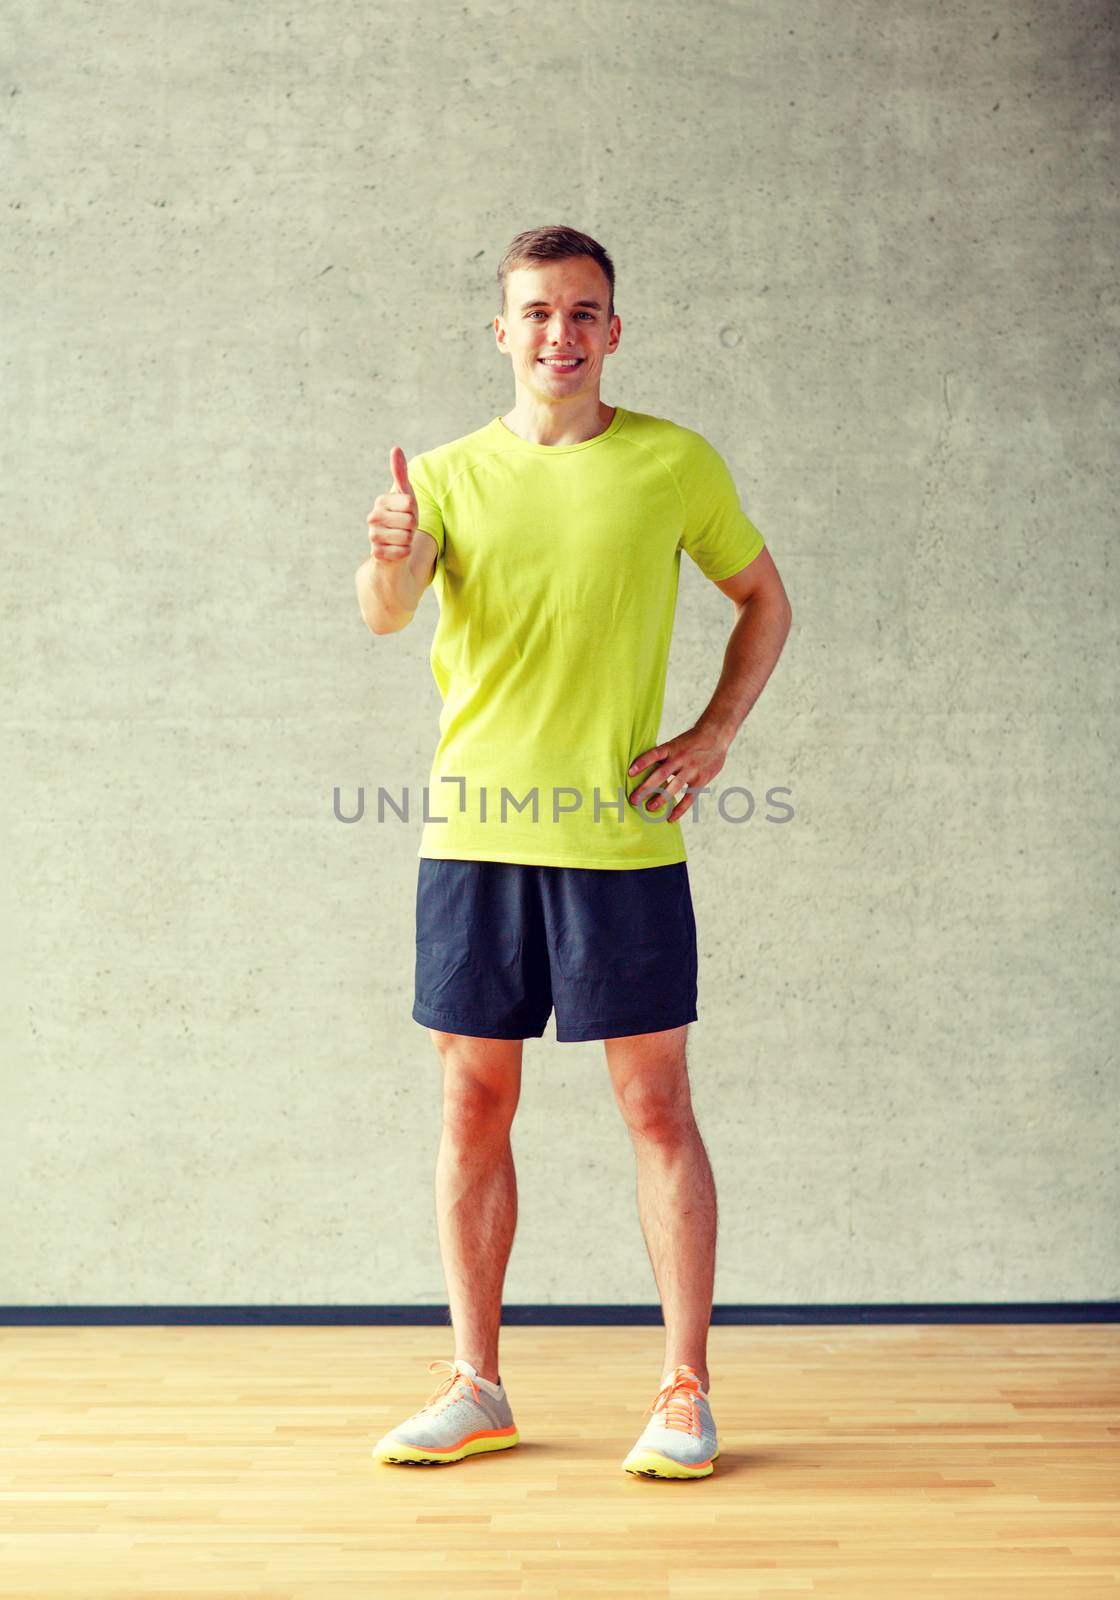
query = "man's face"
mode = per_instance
[{"x": 546, "y": 316}]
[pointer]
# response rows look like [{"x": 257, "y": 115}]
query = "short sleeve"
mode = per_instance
[
  {"x": 429, "y": 512},
  {"x": 718, "y": 534}
]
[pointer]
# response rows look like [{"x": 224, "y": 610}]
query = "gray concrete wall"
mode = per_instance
[{"x": 870, "y": 252}]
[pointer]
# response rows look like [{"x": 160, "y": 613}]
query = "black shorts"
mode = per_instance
[{"x": 499, "y": 943}]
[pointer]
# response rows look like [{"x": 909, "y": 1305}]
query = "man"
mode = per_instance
[{"x": 553, "y": 537}]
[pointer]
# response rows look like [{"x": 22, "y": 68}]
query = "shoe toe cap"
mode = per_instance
[{"x": 682, "y": 1447}]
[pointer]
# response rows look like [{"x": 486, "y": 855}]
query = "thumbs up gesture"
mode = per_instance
[{"x": 392, "y": 522}]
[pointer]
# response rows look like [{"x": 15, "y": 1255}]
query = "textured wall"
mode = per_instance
[{"x": 870, "y": 252}]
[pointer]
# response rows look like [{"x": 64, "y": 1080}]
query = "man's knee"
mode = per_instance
[
  {"x": 481, "y": 1080},
  {"x": 650, "y": 1077},
  {"x": 668, "y": 1118}
]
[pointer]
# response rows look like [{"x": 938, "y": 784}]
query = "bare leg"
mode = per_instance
[
  {"x": 676, "y": 1190},
  {"x": 476, "y": 1187}
]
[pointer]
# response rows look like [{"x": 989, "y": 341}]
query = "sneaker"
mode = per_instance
[
  {"x": 466, "y": 1415},
  {"x": 679, "y": 1441}
]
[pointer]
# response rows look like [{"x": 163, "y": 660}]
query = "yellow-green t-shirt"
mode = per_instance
[{"x": 556, "y": 580}]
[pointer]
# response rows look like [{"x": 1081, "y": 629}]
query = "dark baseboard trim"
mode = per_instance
[{"x": 560, "y": 1315}]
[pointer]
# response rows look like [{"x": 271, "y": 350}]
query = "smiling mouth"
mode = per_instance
[{"x": 567, "y": 362}]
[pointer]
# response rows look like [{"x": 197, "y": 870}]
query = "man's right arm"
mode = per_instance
[
  {"x": 390, "y": 591},
  {"x": 402, "y": 557}
]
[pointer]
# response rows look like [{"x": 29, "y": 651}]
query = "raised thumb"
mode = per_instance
[{"x": 398, "y": 466}]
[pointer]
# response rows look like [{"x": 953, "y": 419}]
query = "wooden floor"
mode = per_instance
[{"x": 897, "y": 1461}]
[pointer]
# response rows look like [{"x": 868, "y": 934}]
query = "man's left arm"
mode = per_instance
[{"x": 763, "y": 615}]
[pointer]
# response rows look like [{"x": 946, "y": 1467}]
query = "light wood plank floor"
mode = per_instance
[{"x": 897, "y": 1461}]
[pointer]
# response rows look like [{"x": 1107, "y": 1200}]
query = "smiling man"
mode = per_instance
[{"x": 552, "y": 867}]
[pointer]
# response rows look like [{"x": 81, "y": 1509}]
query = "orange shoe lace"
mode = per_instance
[
  {"x": 677, "y": 1400},
  {"x": 448, "y": 1390}
]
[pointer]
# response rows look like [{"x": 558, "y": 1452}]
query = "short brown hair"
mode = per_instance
[{"x": 553, "y": 244}]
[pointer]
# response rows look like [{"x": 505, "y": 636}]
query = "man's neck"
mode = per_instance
[{"x": 547, "y": 427}]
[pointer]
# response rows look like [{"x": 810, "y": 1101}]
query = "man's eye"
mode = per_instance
[{"x": 578, "y": 314}]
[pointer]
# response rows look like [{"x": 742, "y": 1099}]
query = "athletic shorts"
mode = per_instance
[{"x": 499, "y": 943}]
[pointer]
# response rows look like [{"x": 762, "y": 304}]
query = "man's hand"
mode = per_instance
[
  {"x": 392, "y": 522},
  {"x": 692, "y": 758}
]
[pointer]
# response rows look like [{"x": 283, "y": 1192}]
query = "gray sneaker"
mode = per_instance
[{"x": 460, "y": 1419}]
